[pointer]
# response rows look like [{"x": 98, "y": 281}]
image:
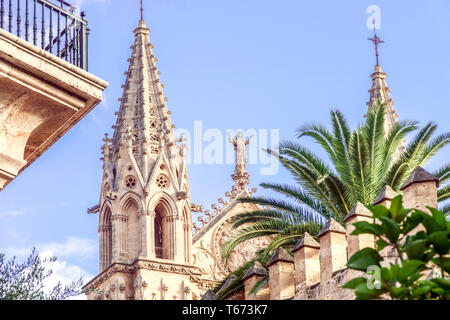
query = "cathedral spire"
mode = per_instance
[
  {"x": 143, "y": 113},
  {"x": 144, "y": 185},
  {"x": 379, "y": 91}
]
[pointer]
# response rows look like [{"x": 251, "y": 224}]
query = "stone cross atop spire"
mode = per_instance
[{"x": 376, "y": 41}]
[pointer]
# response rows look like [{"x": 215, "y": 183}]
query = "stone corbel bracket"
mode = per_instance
[{"x": 42, "y": 97}]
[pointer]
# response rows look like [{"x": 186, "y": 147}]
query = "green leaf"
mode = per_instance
[
  {"x": 430, "y": 224},
  {"x": 421, "y": 291},
  {"x": 413, "y": 278},
  {"x": 397, "y": 210},
  {"x": 363, "y": 259},
  {"x": 408, "y": 268},
  {"x": 440, "y": 242},
  {"x": 442, "y": 282},
  {"x": 446, "y": 264},
  {"x": 352, "y": 284},
  {"x": 395, "y": 271},
  {"x": 428, "y": 283},
  {"x": 411, "y": 222},
  {"x": 379, "y": 211},
  {"x": 397, "y": 292},
  {"x": 390, "y": 229},
  {"x": 381, "y": 244},
  {"x": 415, "y": 249},
  {"x": 363, "y": 227},
  {"x": 439, "y": 217},
  {"x": 438, "y": 291},
  {"x": 386, "y": 275},
  {"x": 362, "y": 292}
]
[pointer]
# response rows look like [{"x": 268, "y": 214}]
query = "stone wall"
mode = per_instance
[{"x": 318, "y": 270}]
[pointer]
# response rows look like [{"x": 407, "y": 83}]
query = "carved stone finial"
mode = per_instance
[
  {"x": 202, "y": 220},
  {"x": 216, "y": 208},
  {"x": 223, "y": 202}
]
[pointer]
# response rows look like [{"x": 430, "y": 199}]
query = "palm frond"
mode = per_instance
[
  {"x": 443, "y": 174},
  {"x": 359, "y": 159},
  {"x": 295, "y": 193},
  {"x": 301, "y": 154},
  {"x": 373, "y": 132},
  {"x": 320, "y": 134},
  {"x": 257, "y": 230},
  {"x": 443, "y": 193},
  {"x": 433, "y": 147},
  {"x": 416, "y": 145},
  {"x": 394, "y": 138},
  {"x": 341, "y": 142},
  {"x": 256, "y": 216},
  {"x": 261, "y": 283},
  {"x": 445, "y": 209},
  {"x": 300, "y": 211},
  {"x": 309, "y": 181}
]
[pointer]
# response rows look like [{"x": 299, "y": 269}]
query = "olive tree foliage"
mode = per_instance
[{"x": 27, "y": 280}]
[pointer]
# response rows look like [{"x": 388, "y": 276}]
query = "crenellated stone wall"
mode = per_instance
[{"x": 317, "y": 270}]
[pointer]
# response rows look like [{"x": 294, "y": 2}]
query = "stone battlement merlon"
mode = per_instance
[{"x": 318, "y": 269}]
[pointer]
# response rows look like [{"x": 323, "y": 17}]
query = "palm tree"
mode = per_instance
[{"x": 360, "y": 164}]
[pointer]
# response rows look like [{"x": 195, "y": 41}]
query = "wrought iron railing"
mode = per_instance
[{"x": 54, "y": 27}]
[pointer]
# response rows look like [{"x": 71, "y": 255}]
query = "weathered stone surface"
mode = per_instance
[
  {"x": 255, "y": 270},
  {"x": 280, "y": 255},
  {"x": 420, "y": 190},
  {"x": 209, "y": 295},
  {"x": 358, "y": 210},
  {"x": 331, "y": 225},
  {"x": 227, "y": 283},
  {"x": 357, "y": 242},
  {"x": 306, "y": 241},
  {"x": 281, "y": 280},
  {"x": 419, "y": 175},
  {"x": 387, "y": 193},
  {"x": 41, "y": 98},
  {"x": 333, "y": 248},
  {"x": 307, "y": 262}
]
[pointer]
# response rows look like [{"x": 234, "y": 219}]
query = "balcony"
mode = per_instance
[{"x": 45, "y": 88}]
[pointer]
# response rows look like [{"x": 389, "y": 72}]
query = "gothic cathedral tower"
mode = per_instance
[{"x": 145, "y": 228}]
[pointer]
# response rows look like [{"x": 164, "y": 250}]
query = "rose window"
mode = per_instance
[
  {"x": 130, "y": 182},
  {"x": 162, "y": 181}
]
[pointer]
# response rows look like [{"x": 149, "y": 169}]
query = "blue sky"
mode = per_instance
[{"x": 230, "y": 64}]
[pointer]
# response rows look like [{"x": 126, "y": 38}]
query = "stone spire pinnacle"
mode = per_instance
[
  {"x": 143, "y": 121},
  {"x": 379, "y": 91}
]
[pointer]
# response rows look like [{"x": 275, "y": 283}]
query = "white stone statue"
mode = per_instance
[{"x": 240, "y": 148}]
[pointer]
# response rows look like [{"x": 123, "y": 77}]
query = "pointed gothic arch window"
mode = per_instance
[
  {"x": 132, "y": 237},
  {"x": 186, "y": 236},
  {"x": 106, "y": 239},
  {"x": 162, "y": 238}
]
